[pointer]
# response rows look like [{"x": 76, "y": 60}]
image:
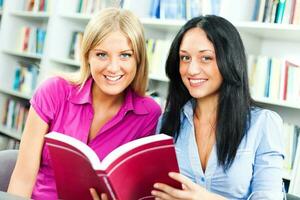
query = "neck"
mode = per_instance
[
  {"x": 206, "y": 110},
  {"x": 101, "y": 99}
]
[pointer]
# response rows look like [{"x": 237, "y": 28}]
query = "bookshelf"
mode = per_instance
[{"x": 61, "y": 19}]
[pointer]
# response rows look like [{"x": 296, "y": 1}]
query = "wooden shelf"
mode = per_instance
[
  {"x": 271, "y": 31},
  {"x": 281, "y": 103},
  {"x": 77, "y": 16},
  {"x": 23, "y": 54},
  {"x": 10, "y": 133},
  {"x": 66, "y": 61},
  {"x": 287, "y": 32},
  {"x": 15, "y": 93},
  {"x": 31, "y": 15}
]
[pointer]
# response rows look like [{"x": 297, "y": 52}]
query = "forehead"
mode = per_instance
[
  {"x": 115, "y": 40},
  {"x": 196, "y": 39}
]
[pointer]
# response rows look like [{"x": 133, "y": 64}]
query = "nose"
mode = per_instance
[
  {"x": 194, "y": 67},
  {"x": 113, "y": 66}
]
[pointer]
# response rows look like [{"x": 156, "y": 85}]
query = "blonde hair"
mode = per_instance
[{"x": 103, "y": 23}]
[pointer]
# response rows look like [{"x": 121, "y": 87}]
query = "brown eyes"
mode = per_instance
[
  {"x": 185, "y": 58},
  {"x": 204, "y": 59}
]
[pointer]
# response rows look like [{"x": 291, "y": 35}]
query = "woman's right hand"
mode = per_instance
[{"x": 95, "y": 195}]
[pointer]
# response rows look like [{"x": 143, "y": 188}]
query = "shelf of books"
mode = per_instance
[
  {"x": 38, "y": 36},
  {"x": 30, "y": 14}
]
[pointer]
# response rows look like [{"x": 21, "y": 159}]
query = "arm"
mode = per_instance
[
  {"x": 191, "y": 190},
  {"x": 28, "y": 162},
  {"x": 267, "y": 171}
]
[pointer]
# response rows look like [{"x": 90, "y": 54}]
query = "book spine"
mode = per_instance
[
  {"x": 109, "y": 188},
  {"x": 280, "y": 11}
]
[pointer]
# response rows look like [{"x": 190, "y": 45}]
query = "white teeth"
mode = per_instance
[
  {"x": 113, "y": 78},
  {"x": 197, "y": 80}
]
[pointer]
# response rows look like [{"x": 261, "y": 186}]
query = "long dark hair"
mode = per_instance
[{"x": 235, "y": 102}]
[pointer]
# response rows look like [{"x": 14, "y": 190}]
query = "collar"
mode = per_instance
[
  {"x": 132, "y": 101},
  {"x": 83, "y": 95},
  {"x": 188, "y": 110}
]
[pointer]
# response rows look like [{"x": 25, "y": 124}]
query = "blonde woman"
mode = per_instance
[{"x": 103, "y": 105}]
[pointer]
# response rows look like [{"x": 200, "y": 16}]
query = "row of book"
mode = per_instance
[
  {"x": 32, "y": 39},
  {"x": 14, "y": 115},
  {"x": 74, "y": 51},
  {"x": 36, "y": 5},
  {"x": 177, "y": 9},
  {"x": 268, "y": 11},
  {"x": 291, "y": 139},
  {"x": 274, "y": 78},
  {"x": 1, "y": 4},
  {"x": 89, "y": 6},
  {"x": 156, "y": 51},
  {"x": 8, "y": 143},
  {"x": 26, "y": 76},
  {"x": 277, "y": 11}
]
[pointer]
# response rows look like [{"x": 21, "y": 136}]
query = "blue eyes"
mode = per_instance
[
  {"x": 125, "y": 55},
  {"x": 101, "y": 55},
  {"x": 122, "y": 55}
]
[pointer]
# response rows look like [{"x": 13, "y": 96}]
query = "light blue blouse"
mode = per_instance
[{"x": 256, "y": 172}]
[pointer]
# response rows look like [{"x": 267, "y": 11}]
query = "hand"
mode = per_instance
[
  {"x": 190, "y": 191},
  {"x": 96, "y": 196}
]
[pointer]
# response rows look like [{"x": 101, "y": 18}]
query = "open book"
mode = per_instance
[{"x": 127, "y": 173}]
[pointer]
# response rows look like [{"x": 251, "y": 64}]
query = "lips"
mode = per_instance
[
  {"x": 113, "y": 78},
  {"x": 197, "y": 81}
]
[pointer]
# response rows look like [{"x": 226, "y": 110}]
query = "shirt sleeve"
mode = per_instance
[
  {"x": 46, "y": 99},
  {"x": 152, "y": 119},
  {"x": 267, "y": 172}
]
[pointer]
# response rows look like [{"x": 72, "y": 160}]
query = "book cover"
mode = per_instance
[{"x": 128, "y": 172}]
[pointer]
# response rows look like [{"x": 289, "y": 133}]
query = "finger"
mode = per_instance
[
  {"x": 159, "y": 195},
  {"x": 170, "y": 191},
  {"x": 94, "y": 194},
  {"x": 185, "y": 181},
  {"x": 104, "y": 196}
]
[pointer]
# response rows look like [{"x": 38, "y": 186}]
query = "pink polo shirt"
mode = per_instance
[{"x": 69, "y": 110}]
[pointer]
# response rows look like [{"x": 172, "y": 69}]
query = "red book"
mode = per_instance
[
  {"x": 127, "y": 173},
  {"x": 286, "y": 77}
]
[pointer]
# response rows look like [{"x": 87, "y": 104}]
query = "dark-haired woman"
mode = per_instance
[{"x": 227, "y": 147}]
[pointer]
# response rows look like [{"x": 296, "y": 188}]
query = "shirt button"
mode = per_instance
[{"x": 202, "y": 179}]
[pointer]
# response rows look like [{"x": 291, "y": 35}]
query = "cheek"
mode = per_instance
[{"x": 182, "y": 70}]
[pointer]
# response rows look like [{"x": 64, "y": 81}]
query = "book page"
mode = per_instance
[
  {"x": 82, "y": 147},
  {"x": 112, "y": 156}
]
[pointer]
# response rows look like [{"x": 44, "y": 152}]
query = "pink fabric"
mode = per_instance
[{"x": 69, "y": 110}]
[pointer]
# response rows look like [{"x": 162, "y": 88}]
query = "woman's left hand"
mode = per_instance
[
  {"x": 95, "y": 195},
  {"x": 190, "y": 190}
]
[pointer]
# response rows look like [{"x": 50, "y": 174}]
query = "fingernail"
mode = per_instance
[{"x": 171, "y": 174}]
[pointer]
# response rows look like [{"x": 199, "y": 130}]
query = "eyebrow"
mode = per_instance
[
  {"x": 200, "y": 51},
  {"x": 120, "y": 51}
]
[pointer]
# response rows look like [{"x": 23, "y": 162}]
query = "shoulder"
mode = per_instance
[
  {"x": 264, "y": 117},
  {"x": 54, "y": 89},
  {"x": 266, "y": 128},
  {"x": 54, "y": 85},
  {"x": 146, "y": 103}
]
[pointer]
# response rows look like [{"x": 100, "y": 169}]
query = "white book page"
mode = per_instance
[
  {"x": 85, "y": 149},
  {"x": 112, "y": 156}
]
